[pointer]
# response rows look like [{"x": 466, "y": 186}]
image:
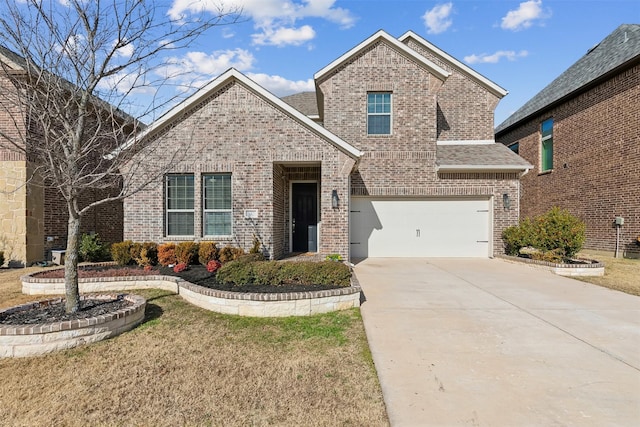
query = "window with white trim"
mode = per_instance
[
  {"x": 179, "y": 205},
  {"x": 379, "y": 113},
  {"x": 546, "y": 149},
  {"x": 217, "y": 216}
]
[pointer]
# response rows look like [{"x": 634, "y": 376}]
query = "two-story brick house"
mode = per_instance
[
  {"x": 33, "y": 215},
  {"x": 582, "y": 134},
  {"x": 397, "y": 159}
]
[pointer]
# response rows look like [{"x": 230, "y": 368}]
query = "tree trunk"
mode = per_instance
[{"x": 71, "y": 265}]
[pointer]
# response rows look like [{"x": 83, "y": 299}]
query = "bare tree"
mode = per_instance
[{"x": 72, "y": 68}]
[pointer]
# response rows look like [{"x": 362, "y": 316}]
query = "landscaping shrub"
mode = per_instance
[
  {"x": 213, "y": 266},
  {"x": 181, "y": 266},
  {"x": 121, "y": 252},
  {"x": 135, "y": 250},
  {"x": 186, "y": 252},
  {"x": 92, "y": 249},
  {"x": 167, "y": 254},
  {"x": 229, "y": 253},
  {"x": 556, "y": 233},
  {"x": 255, "y": 247},
  {"x": 207, "y": 251},
  {"x": 273, "y": 273},
  {"x": 148, "y": 255}
]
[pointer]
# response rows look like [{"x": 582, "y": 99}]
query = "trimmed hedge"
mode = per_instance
[{"x": 251, "y": 271}]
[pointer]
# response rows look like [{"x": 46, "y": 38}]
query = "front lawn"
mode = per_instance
[
  {"x": 622, "y": 274},
  {"x": 188, "y": 366}
]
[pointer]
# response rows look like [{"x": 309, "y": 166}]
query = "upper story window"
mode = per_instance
[
  {"x": 179, "y": 205},
  {"x": 546, "y": 151},
  {"x": 515, "y": 147},
  {"x": 217, "y": 210},
  {"x": 379, "y": 113}
]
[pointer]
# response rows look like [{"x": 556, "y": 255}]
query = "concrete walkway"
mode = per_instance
[{"x": 484, "y": 342}]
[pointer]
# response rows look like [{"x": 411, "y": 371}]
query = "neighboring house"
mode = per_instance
[
  {"x": 33, "y": 217},
  {"x": 393, "y": 155},
  {"x": 582, "y": 134}
]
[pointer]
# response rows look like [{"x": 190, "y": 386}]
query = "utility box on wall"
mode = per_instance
[
  {"x": 57, "y": 256},
  {"x": 619, "y": 220}
]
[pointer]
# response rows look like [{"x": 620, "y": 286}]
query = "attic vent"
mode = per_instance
[{"x": 626, "y": 37}]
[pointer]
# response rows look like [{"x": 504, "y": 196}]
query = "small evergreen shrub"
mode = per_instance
[
  {"x": 207, "y": 251},
  {"x": 229, "y": 253},
  {"x": 92, "y": 249},
  {"x": 556, "y": 234},
  {"x": 186, "y": 252},
  {"x": 148, "y": 254},
  {"x": 121, "y": 252},
  {"x": 255, "y": 247},
  {"x": 135, "y": 250},
  {"x": 167, "y": 254}
]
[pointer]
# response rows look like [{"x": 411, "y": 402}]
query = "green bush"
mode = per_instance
[
  {"x": 92, "y": 249},
  {"x": 556, "y": 233},
  {"x": 207, "y": 251},
  {"x": 186, "y": 252},
  {"x": 121, "y": 252},
  {"x": 255, "y": 247},
  {"x": 249, "y": 271}
]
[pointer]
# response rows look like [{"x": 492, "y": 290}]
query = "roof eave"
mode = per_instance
[
  {"x": 484, "y": 168},
  {"x": 436, "y": 70},
  {"x": 494, "y": 88}
]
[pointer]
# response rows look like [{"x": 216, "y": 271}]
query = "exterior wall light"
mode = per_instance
[
  {"x": 335, "y": 200},
  {"x": 506, "y": 201}
]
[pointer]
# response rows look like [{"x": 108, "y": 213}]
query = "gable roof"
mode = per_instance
[
  {"x": 305, "y": 102},
  {"x": 405, "y": 50},
  {"x": 445, "y": 57},
  {"x": 479, "y": 157},
  {"x": 181, "y": 109},
  {"x": 617, "y": 50}
]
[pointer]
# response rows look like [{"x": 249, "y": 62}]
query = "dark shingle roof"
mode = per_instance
[
  {"x": 479, "y": 156},
  {"x": 618, "y": 48},
  {"x": 305, "y": 102}
]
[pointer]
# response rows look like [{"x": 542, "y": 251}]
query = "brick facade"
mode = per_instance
[
  {"x": 596, "y": 153},
  {"x": 235, "y": 129},
  {"x": 33, "y": 217}
]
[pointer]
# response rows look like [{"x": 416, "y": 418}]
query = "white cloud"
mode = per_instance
[
  {"x": 438, "y": 19},
  {"x": 494, "y": 58},
  {"x": 524, "y": 16},
  {"x": 284, "y": 36},
  {"x": 281, "y": 86},
  {"x": 274, "y": 20}
]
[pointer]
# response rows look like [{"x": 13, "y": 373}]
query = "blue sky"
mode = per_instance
[{"x": 520, "y": 45}]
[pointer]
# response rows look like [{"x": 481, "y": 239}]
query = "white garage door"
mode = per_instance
[{"x": 403, "y": 227}]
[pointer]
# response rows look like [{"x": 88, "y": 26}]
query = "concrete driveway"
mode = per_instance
[{"x": 484, "y": 342}]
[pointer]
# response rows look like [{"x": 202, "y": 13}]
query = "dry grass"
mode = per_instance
[
  {"x": 188, "y": 366},
  {"x": 622, "y": 274}
]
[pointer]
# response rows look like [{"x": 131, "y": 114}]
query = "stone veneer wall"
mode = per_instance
[{"x": 596, "y": 156}]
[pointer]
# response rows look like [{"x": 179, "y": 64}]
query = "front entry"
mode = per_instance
[{"x": 304, "y": 213}]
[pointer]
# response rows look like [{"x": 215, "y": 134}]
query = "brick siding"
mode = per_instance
[{"x": 596, "y": 153}]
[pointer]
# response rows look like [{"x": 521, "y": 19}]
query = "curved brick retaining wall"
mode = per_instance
[
  {"x": 593, "y": 269},
  {"x": 33, "y": 340}
]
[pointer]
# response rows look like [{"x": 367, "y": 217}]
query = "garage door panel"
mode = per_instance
[{"x": 402, "y": 227}]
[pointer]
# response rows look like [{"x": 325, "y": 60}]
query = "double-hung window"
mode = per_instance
[
  {"x": 379, "y": 113},
  {"x": 179, "y": 205},
  {"x": 546, "y": 150},
  {"x": 217, "y": 211}
]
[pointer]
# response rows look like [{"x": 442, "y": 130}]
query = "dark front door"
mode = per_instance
[{"x": 304, "y": 212}]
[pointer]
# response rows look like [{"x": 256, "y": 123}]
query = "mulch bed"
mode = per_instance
[
  {"x": 196, "y": 274},
  {"x": 55, "y": 312}
]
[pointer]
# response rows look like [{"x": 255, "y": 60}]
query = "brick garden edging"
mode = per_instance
[
  {"x": 38, "y": 339},
  {"x": 227, "y": 302},
  {"x": 594, "y": 269}
]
